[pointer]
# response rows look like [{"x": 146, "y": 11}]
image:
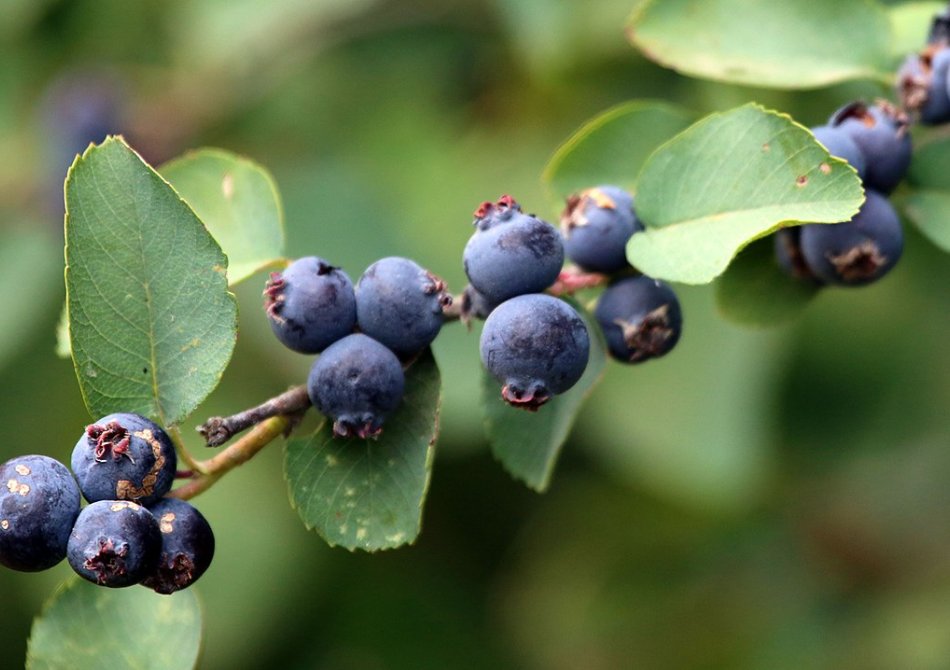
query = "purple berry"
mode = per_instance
[
  {"x": 187, "y": 546},
  {"x": 640, "y": 317},
  {"x": 114, "y": 543},
  {"x": 596, "y": 225},
  {"x": 839, "y": 144},
  {"x": 881, "y": 132},
  {"x": 310, "y": 305},
  {"x": 922, "y": 84}
]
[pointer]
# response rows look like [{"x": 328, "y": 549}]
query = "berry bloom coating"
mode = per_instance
[
  {"x": 537, "y": 346},
  {"x": 922, "y": 84},
  {"x": 124, "y": 457},
  {"x": 596, "y": 225},
  {"x": 858, "y": 251},
  {"x": 356, "y": 382},
  {"x": 839, "y": 144},
  {"x": 400, "y": 305},
  {"x": 514, "y": 257},
  {"x": 310, "y": 305},
  {"x": 114, "y": 543},
  {"x": 788, "y": 253},
  {"x": 881, "y": 132},
  {"x": 187, "y": 546},
  {"x": 640, "y": 317},
  {"x": 489, "y": 213},
  {"x": 39, "y": 502}
]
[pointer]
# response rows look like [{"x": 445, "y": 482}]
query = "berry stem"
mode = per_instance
[
  {"x": 175, "y": 434},
  {"x": 217, "y": 430},
  {"x": 240, "y": 452}
]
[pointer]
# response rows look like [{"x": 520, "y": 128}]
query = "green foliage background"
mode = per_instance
[{"x": 759, "y": 499}]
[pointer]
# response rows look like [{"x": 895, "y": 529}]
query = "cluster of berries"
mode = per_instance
[
  {"x": 397, "y": 309},
  {"x": 534, "y": 344},
  {"x": 875, "y": 141},
  {"x": 129, "y": 534}
]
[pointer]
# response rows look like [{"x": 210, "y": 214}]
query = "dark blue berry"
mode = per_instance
[
  {"x": 881, "y": 132},
  {"x": 489, "y": 213},
  {"x": 596, "y": 225},
  {"x": 124, "y": 457},
  {"x": 788, "y": 253},
  {"x": 513, "y": 257},
  {"x": 475, "y": 305},
  {"x": 39, "y": 502},
  {"x": 187, "y": 546},
  {"x": 114, "y": 543},
  {"x": 356, "y": 382},
  {"x": 537, "y": 346},
  {"x": 310, "y": 305},
  {"x": 640, "y": 317},
  {"x": 399, "y": 304},
  {"x": 858, "y": 251},
  {"x": 841, "y": 145},
  {"x": 922, "y": 83}
]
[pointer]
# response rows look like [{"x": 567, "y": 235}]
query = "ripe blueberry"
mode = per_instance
[
  {"x": 596, "y": 225},
  {"x": 187, "y": 546},
  {"x": 922, "y": 83},
  {"x": 356, "y": 382},
  {"x": 788, "y": 253},
  {"x": 640, "y": 317},
  {"x": 400, "y": 305},
  {"x": 310, "y": 305},
  {"x": 114, "y": 543},
  {"x": 858, "y": 251},
  {"x": 39, "y": 502},
  {"x": 880, "y": 131},
  {"x": 475, "y": 305},
  {"x": 512, "y": 257},
  {"x": 124, "y": 457},
  {"x": 841, "y": 145},
  {"x": 537, "y": 346}
]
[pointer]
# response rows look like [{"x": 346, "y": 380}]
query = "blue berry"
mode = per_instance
[
  {"x": 475, "y": 305},
  {"x": 490, "y": 213},
  {"x": 880, "y": 131},
  {"x": 839, "y": 144},
  {"x": 596, "y": 225},
  {"x": 124, "y": 457},
  {"x": 39, "y": 502},
  {"x": 356, "y": 382},
  {"x": 114, "y": 543},
  {"x": 858, "y": 251},
  {"x": 187, "y": 546},
  {"x": 922, "y": 83},
  {"x": 640, "y": 317},
  {"x": 310, "y": 305},
  {"x": 399, "y": 304},
  {"x": 537, "y": 346},
  {"x": 516, "y": 256}
]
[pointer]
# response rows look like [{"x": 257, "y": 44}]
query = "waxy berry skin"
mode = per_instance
[
  {"x": 39, "y": 502},
  {"x": 922, "y": 84},
  {"x": 124, "y": 457},
  {"x": 187, "y": 546},
  {"x": 856, "y": 252},
  {"x": 310, "y": 305},
  {"x": 596, "y": 225},
  {"x": 114, "y": 543},
  {"x": 356, "y": 382},
  {"x": 840, "y": 145},
  {"x": 788, "y": 254},
  {"x": 640, "y": 317},
  {"x": 489, "y": 214},
  {"x": 399, "y": 304},
  {"x": 536, "y": 346},
  {"x": 881, "y": 132},
  {"x": 518, "y": 256}
]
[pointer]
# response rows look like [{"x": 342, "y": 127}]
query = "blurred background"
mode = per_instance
[{"x": 758, "y": 499}]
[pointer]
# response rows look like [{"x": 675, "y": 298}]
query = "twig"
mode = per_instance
[{"x": 217, "y": 430}]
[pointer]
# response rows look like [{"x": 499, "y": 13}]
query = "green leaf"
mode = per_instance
[
  {"x": 802, "y": 44},
  {"x": 612, "y": 147},
  {"x": 528, "y": 443},
  {"x": 910, "y": 25},
  {"x": 237, "y": 201},
  {"x": 928, "y": 204},
  {"x": 727, "y": 180},
  {"x": 755, "y": 291},
  {"x": 85, "y": 626},
  {"x": 368, "y": 494},
  {"x": 152, "y": 325}
]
